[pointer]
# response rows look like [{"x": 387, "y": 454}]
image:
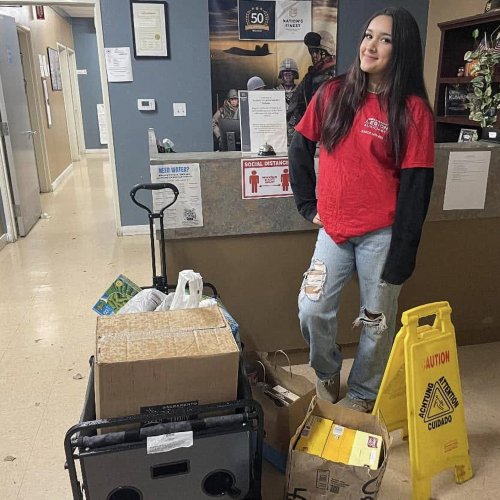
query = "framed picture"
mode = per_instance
[
  {"x": 55, "y": 69},
  {"x": 150, "y": 29},
  {"x": 467, "y": 135},
  {"x": 455, "y": 100}
]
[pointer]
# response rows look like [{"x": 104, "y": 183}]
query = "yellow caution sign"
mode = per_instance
[{"x": 421, "y": 394}]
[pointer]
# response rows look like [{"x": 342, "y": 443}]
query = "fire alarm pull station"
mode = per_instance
[{"x": 146, "y": 104}]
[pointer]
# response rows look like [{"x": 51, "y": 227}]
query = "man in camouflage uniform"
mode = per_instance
[
  {"x": 321, "y": 47},
  {"x": 288, "y": 73},
  {"x": 230, "y": 110}
]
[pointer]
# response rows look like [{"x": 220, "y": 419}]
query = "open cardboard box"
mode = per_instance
[{"x": 310, "y": 477}]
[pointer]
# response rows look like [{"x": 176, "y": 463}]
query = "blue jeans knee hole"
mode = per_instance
[{"x": 314, "y": 280}]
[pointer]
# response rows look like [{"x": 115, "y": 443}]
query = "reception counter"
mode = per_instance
[{"x": 255, "y": 252}]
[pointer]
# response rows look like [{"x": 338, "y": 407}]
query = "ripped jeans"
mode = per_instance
[{"x": 331, "y": 268}]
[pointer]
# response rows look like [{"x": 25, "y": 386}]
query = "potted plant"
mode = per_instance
[{"x": 482, "y": 101}]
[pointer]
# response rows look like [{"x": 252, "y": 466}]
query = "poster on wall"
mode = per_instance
[
  {"x": 187, "y": 211},
  {"x": 55, "y": 68},
  {"x": 274, "y": 20},
  {"x": 234, "y": 62}
]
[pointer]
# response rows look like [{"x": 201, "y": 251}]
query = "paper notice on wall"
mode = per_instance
[
  {"x": 118, "y": 64},
  {"x": 187, "y": 211},
  {"x": 103, "y": 126},
  {"x": 47, "y": 103},
  {"x": 466, "y": 180},
  {"x": 263, "y": 120},
  {"x": 44, "y": 66}
]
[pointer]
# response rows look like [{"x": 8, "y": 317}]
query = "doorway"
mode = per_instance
[
  {"x": 68, "y": 87},
  {"x": 34, "y": 108},
  {"x": 17, "y": 135}
]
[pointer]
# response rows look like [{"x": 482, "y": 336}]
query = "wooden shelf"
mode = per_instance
[
  {"x": 463, "y": 79},
  {"x": 457, "y": 120},
  {"x": 456, "y": 40}
]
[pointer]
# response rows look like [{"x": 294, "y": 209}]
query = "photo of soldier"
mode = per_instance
[
  {"x": 288, "y": 73},
  {"x": 229, "y": 110},
  {"x": 256, "y": 83},
  {"x": 321, "y": 47}
]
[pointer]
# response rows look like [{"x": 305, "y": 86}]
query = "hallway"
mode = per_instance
[{"x": 50, "y": 281}]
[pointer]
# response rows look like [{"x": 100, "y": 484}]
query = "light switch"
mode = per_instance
[{"x": 179, "y": 109}]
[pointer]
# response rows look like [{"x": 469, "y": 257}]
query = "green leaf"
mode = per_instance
[
  {"x": 478, "y": 92},
  {"x": 467, "y": 55},
  {"x": 487, "y": 92},
  {"x": 475, "y": 33}
]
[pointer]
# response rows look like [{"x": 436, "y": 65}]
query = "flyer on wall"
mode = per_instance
[{"x": 187, "y": 211}]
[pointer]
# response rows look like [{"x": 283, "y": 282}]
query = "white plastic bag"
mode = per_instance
[
  {"x": 183, "y": 300},
  {"x": 145, "y": 300},
  {"x": 166, "y": 303}
]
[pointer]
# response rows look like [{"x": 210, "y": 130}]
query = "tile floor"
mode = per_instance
[{"x": 50, "y": 280}]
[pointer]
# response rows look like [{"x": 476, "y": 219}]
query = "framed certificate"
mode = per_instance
[{"x": 149, "y": 29}]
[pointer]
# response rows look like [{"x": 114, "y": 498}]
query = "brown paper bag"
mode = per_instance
[
  {"x": 310, "y": 477},
  {"x": 280, "y": 422}
]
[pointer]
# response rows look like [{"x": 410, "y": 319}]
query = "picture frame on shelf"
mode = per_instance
[
  {"x": 455, "y": 100},
  {"x": 467, "y": 135},
  {"x": 150, "y": 29}
]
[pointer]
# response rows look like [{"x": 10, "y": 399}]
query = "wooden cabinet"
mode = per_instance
[{"x": 456, "y": 40}]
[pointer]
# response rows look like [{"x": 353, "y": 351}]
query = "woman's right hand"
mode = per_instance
[{"x": 317, "y": 220}]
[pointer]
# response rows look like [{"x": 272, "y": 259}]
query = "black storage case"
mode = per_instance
[{"x": 225, "y": 460}]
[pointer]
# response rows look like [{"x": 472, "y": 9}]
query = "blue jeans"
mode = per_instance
[{"x": 331, "y": 268}]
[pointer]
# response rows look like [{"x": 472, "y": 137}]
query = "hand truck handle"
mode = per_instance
[{"x": 154, "y": 187}]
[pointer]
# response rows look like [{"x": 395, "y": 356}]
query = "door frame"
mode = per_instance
[
  {"x": 68, "y": 101},
  {"x": 75, "y": 90},
  {"x": 5, "y": 184},
  {"x": 35, "y": 109}
]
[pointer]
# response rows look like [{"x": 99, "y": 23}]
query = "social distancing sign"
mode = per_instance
[
  {"x": 421, "y": 394},
  {"x": 265, "y": 178}
]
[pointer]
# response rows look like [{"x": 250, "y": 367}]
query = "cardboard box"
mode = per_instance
[
  {"x": 310, "y": 477},
  {"x": 314, "y": 435},
  {"x": 352, "y": 447},
  {"x": 157, "y": 358}
]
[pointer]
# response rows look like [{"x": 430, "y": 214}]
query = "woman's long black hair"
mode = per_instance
[{"x": 404, "y": 78}]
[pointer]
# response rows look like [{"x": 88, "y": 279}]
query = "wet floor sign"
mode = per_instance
[{"x": 421, "y": 394}]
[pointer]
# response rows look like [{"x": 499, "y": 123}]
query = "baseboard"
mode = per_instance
[
  {"x": 62, "y": 176},
  {"x": 3, "y": 241},
  {"x": 134, "y": 230},
  {"x": 97, "y": 152}
]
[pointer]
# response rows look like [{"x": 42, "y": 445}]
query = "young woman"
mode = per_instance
[{"x": 375, "y": 129}]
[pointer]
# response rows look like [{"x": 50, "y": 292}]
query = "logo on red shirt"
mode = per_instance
[{"x": 375, "y": 127}]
